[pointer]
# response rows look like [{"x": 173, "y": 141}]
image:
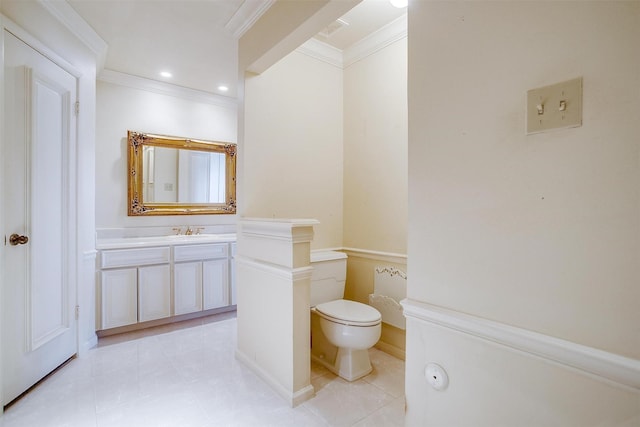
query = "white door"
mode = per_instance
[{"x": 39, "y": 291}]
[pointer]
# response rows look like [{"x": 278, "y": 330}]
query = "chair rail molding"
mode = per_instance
[
  {"x": 613, "y": 368},
  {"x": 391, "y": 257}
]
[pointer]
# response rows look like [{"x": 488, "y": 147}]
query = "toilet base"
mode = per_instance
[
  {"x": 353, "y": 364},
  {"x": 349, "y": 364}
]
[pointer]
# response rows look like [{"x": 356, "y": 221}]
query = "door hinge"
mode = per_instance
[
  {"x": 77, "y": 312},
  {"x": 77, "y": 107}
]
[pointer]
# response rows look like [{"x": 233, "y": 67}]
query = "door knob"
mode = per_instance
[{"x": 16, "y": 239}]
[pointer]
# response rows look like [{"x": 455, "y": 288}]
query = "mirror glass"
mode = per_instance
[
  {"x": 172, "y": 175},
  {"x": 182, "y": 176}
]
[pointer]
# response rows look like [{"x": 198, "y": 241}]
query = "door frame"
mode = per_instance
[{"x": 73, "y": 265}]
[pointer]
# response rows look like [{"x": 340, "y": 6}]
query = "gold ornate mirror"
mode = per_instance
[{"x": 178, "y": 176}]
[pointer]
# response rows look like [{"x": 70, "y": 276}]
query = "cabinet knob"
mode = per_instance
[{"x": 16, "y": 239}]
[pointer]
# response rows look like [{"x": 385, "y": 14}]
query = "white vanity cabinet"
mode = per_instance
[
  {"x": 187, "y": 297},
  {"x": 119, "y": 297},
  {"x": 159, "y": 279},
  {"x": 135, "y": 286},
  {"x": 154, "y": 292},
  {"x": 200, "y": 277},
  {"x": 215, "y": 283}
]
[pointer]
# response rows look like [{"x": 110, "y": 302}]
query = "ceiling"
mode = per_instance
[
  {"x": 197, "y": 40},
  {"x": 364, "y": 19}
]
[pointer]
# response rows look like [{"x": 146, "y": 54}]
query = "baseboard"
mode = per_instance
[
  {"x": 391, "y": 349},
  {"x": 87, "y": 345},
  {"x": 164, "y": 321},
  {"x": 293, "y": 398},
  {"x": 303, "y": 395}
]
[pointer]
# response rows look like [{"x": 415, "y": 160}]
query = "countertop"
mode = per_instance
[{"x": 172, "y": 240}]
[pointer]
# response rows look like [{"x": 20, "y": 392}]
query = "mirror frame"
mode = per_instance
[{"x": 137, "y": 206}]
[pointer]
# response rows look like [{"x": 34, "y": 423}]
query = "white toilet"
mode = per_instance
[{"x": 342, "y": 331}]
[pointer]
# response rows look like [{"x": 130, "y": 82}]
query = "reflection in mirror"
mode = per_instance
[
  {"x": 182, "y": 176},
  {"x": 172, "y": 176}
]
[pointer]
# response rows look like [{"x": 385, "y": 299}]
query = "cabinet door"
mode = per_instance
[
  {"x": 232, "y": 281},
  {"x": 119, "y": 297},
  {"x": 154, "y": 292},
  {"x": 232, "y": 278},
  {"x": 187, "y": 287},
  {"x": 215, "y": 283}
]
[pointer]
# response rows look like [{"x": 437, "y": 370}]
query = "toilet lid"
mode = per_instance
[{"x": 349, "y": 312}]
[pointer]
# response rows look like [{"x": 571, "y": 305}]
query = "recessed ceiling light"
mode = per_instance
[
  {"x": 399, "y": 3},
  {"x": 166, "y": 74},
  {"x": 223, "y": 88}
]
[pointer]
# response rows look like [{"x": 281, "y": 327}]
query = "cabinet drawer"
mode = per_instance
[
  {"x": 200, "y": 252},
  {"x": 134, "y": 257}
]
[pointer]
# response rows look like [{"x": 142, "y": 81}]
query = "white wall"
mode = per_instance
[
  {"x": 494, "y": 386},
  {"x": 375, "y": 173},
  {"x": 540, "y": 232},
  {"x": 375, "y": 151},
  {"x": 292, "y": 148},
  {"x": 121, "y": 108}
]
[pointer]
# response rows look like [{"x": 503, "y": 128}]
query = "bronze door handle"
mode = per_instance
[{"x": 16, "y": 239}]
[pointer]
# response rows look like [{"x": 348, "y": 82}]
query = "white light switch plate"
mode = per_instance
[{"x": 555, "y": 107}]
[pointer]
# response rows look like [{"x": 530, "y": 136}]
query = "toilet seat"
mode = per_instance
[{"x": 350, "y": 313}]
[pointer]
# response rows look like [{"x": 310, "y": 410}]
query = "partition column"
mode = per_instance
[{"x": 273, "y": 279}]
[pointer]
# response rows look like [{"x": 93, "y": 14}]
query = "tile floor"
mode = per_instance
[{"x": 186, "y": 375}]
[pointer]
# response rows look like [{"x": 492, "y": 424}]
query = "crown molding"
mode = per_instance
[
  {"x": 36, "y": 44},
  {"x": 67, "y": 16},
  {"x": 378, "y": 40},
  {"x": 322, "y": 52},
  {"x": 247, "y": 15},
  {"x": 135, "y": 82}
]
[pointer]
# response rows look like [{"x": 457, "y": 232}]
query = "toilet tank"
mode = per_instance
[{"x": 328, "y": 277}]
